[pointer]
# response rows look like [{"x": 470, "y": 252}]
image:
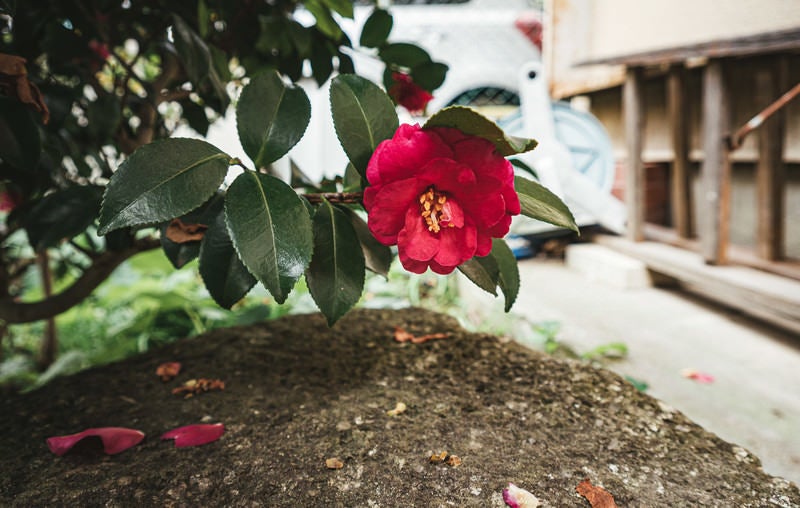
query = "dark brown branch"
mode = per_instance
[
  {"x": 13, "y": 312},
  {"x": 335, "y": 197}
]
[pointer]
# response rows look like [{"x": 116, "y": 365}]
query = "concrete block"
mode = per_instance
[{"x": 601, "y": 264}]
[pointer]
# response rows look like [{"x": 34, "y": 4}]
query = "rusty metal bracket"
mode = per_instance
[{"x": 736, "y": 140}]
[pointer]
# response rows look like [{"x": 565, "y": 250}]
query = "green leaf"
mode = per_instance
[
  {"x": 202, "y": 18},
  {"x": 351, "y": 182},
  {"x": 429, "y": 75},
  {"x": 539, "y": 203},
  {"x": 342, "y": 7},
  {"x": 271, "y": 117},
  {"x": 483, "y": 272},
  {"x": 62, "y": 215},
  {"x": 471, "y": 122},
  {"x": 335, "y": 276},
  {"x": 517, "y": 163},
  {"x": 377, "y": 257},
  {"x": 325, "y": 22},
  {"x": 363, "y": 116},
  {"x": 321, "y": 61},
  {"x": 376, "y": 29},
  {"x": 223, "y": 273},
  {"x": 179, "y": 254},
  {"x": 162, "y": 180},
  {"x": 270, "y": 229},
  {"x": 404, "y": 54},
  {"x": 195, "y": 115},
  {"x": 192, "y": 50},
  {"x": 197, "y": 59},
  {"x": 20, "y": 143},
  {"x": 300, "y": 37},
  {"x": 508, "y": 269}
]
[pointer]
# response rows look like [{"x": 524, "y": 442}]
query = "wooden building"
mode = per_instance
[{"x": 678, "y": 83}]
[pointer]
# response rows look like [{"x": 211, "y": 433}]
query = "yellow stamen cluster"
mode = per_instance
[{"x": 431, "y": 205}]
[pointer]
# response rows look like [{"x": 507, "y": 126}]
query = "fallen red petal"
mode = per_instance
[
  {"x": 195, "y": 435},
  {"x": 115, "y": 439},
  {"x": 400, "y": 335},
  {"x": 700, "y": 377},
  {"x": 516, "y": 497},
  {"x": 598, "y": 497}
]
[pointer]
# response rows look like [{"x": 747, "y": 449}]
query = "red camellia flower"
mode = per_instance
[
  {"x": 409, "y": 94},
  {"x": 440, "y": 195}
]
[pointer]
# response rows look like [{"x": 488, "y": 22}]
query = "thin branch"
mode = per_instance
[
  {"x": 14, "y": 312},
  {"x": 335, "y": 197}
]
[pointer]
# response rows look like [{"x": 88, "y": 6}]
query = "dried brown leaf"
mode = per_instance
[
  {"x": 598, "y": 497},
  {"x": 14, "y": 83},
  {"x": 196, "y": 386},
  {"x": 180, "y": 232},
  {"x": 168, "y": 370},
  {"x": 334, "y": 463}
]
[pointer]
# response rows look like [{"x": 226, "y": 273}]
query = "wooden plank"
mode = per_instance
[
  {"x": 678, "y": 117},
  {"x": 771, "y": 81},
  {"x": 633, "y": 107},
  {"x": 769, "y": 297},
  {"x": 714, "y": 207}
]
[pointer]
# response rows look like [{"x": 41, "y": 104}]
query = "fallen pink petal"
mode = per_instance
[
  {"x": 115, "y": 439},
  {"x": 516, "y": 497},
  {"x": 195, "y": 435},
  {"x": 700, "y": 377}
]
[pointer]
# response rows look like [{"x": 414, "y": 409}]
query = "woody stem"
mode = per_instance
[{"x": 335, "y": 197}]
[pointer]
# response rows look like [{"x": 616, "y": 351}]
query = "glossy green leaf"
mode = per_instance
[
  {"x": 321, "y": 61},
  {"x": 363, "y": 116},
  {"x": 179, "y": 254},
  {"x": 325, "y": 21},
  {"x": 342, "y": 7},
  {"x": 404, "y": 54},
  {"x": 377, "y": 257},
  {"x": 300, "y": 37},
  {"x": 376, "y": 29},
  {"x": 508, "y": 271},
  {"x": 62, "y": 215},
  {"x": 335, "y": 276},
  {"x": 539, "y": 203},
  {"x": 521, "y": 165},
  {"x": 160, "y": 181},
  {"x": 471, "y": 122},
  {"x": 352, "y": 180},
  {"x": 271, "y": 230},
  {"x": 271, "y": 117},
  {"x": 223, "y": 273},
  {"x": 20, "y": 143},
  {"x": 195, "y": 115},
  {"x": 483, "y": 272},
  {"x": 429, "y": 75},
  {"x": 198, "y": 60},
  {"x": 192, "y": 50}
]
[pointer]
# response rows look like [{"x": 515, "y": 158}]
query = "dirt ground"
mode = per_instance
[{"x": 298, "y": 393}]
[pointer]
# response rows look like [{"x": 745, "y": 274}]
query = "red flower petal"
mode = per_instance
[
  {"x": 195, "y": 435},
  {"x": 472, "y": 184},
  {"x": 115, "y": 439}
]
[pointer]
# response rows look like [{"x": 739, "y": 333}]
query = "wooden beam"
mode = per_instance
[
  {"x": 633, "y": 107},
  {"x": 714, "y": 208},
  {"x": 680, "y": 182},
  {"x": 771, "y": 81}
]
